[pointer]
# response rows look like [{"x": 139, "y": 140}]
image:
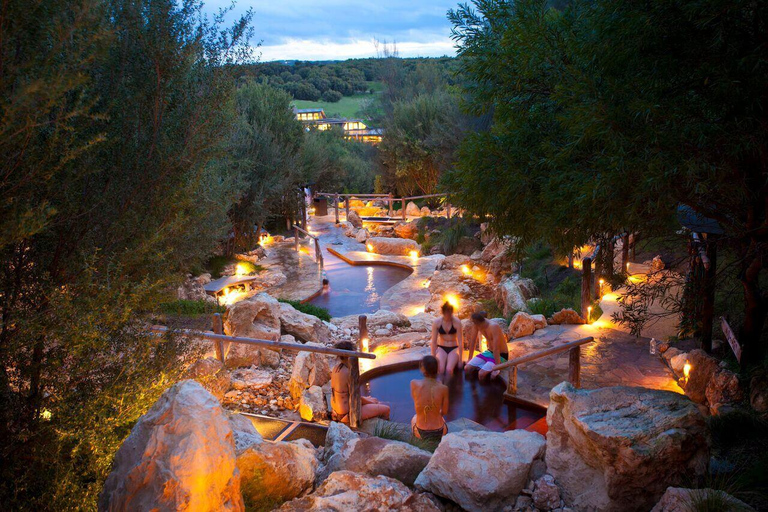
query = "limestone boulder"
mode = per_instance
[
  {"x": 374, "y": 456},
  {"x": 513, "y": 292},
  {"x": 421, "y": 322},
  {"x": 703, "y": 369},
  {"x": 312, "y": 406},
  {"x": 493, "y": 249},
  {"x": 212, "y": 374},
  {"x": 377, "y": 320},
  {"x": 406, "y": 230},
  {"x": 193, "y": 288},
  {"x": 455, "y": 261},
  {"x": 180, "y": 455},
  {"x": 546, "y": 493},
  {"x": 336, "y": 437},
  {"x": 482, "y": 471},
  {"x": 521, "y": 325},
  {"x": 301, "y": 325},
  {"x": 362, "y": 235},
  {"x": 566, "y": 317},
  {"x": 256, "y": 317},
  {"x": 412, "y": 209},
  {"x": 677, "y": 499},
  {"x": 723, "y": 388},
  {"x": 269, "y": 357},
  {"x": 345, "y": 491},
  {"x": 244, "y": 433},
  {"x": 273, "y": 473},
  {"x": 355, "y": 219},
  {"x": 424, "y": 211},
  {"x": 677, "y": 363},
  {"x": 394, "y": 246},
  {"x": 251, "y": 379},
  {"x": 309, "y": 369},
  {"x": 619, "y": 448},
  {"x": 539, "y": 321}
]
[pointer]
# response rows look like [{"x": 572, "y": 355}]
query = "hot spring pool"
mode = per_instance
[
  {"x": 356, "y": 290},
  {"x": 478, "y": 401}
]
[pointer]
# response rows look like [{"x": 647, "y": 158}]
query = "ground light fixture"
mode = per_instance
[
  {"x": 369, "y": 247},
  {"x": 589, "y": 314},
  {"x": 453, "y": 300},
  {"x": 413, "y": 254},
  {"x": 467, "y": 271}
]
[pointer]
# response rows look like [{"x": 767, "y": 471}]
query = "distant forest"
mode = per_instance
[{"x": 330, "y": 81}]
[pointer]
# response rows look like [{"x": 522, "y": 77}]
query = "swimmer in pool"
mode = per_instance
[
  {"x": 430, "y": 399},
  {"x": 447, "y": 341},
  {"x": 371, "y": 407},
  {"x": 497, "y": 352}
]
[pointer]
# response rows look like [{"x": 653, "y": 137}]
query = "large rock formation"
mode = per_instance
[
  {"x": 375, "y": 321},
  {"x": 251, "y": 379},
  {"x": 244, "y": 433},
  {"x": 617, "y": 449},
  {"x": 362, "y": 235},
  {"x": 455, "y": 261},
  {"x": 309, "y": 369},
  {"x": 256, "y": 317},
  {"x": 406, "y": 230},
  {"x": 355, "y": 219},
  {"x": 193, "y": 288},
  {"x": 345, "y": 491},
  {"x": 677, "y": 499},
  {"x": 395, "y": 246},
  {"x": 521, "y": 325},
  {"x": 513, "y": 293},
  {"x": 212, "y": 374},
  {"x": 273, "y": 473},
  {"x": 312, "y": 405},
  {"x": 566, "y": 316},
  {"x": 482, "y": 471},
  {"x": 301, "y": 325},
  {"x": 412, "y": 209},
  {"x": 376, "y": 456},
  {"x": 180, "y": 455}
]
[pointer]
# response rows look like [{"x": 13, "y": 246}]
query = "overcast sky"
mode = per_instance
[{"x": 341, "y": 29}]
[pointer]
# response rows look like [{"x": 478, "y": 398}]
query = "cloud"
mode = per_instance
[{"x": 340, "y": 29}]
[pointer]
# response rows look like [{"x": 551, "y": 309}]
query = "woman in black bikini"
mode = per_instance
[
  {"x": 371, "y": 408},
  {"x": 447, "y": 341},
  {"x": 430, "y": 399}
]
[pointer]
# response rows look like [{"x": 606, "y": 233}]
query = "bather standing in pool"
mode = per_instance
[
  {"x": 371, "y": 407},
  {"x": 430, "y": 399},
  {"x": 447, "y": 341},
  {"x": 497, "y": 352}
]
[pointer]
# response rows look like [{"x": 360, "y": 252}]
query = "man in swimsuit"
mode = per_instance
[
  {"x": 430, "y": 399},
  {"x": 497, "y": 352},
  {"x": 447, "y": 341},
  {"x": 371, "y": 408}
]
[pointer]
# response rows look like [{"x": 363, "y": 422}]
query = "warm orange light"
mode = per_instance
[
  {"x": 589, "y": 313},
  {"x": 466, "y": 269},
  {"x": 602, "y": 282},
  {"x": 453, "y": 300},
  {"x": 304, "y": 250},
  {"x": 365, "y": 342},
  {"x": 369, "y": 247},
  {"x": 414, "y": 254},
  {"x": 241, "y": 269},
  {"x": 686, "y": 370}
]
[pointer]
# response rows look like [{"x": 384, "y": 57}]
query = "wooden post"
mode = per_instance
[
  {"x": 633, "y": 246},
  {"x": 708, "y": 306},
  {"x": 318, "y": 254},
  {"x": 296, "y": 239},
  {"x": 336, "y": 207},
  {"x": 389, "y": 203},
  {"x": 346, "y": 207},
  {"x": 363, "y": 331},
  {"x": 595, "y": 275},
  {"x": 570, "y": 259},
  {"x": 218, "y": 345},
  {"x": 609, "y": 259},
  {"x": 403, "y": 209},
  {"x": 355, "y": 402},
  {"x": 448, "y": 210},
  {"x": 586, "y": 283},
  {"x": 512, "y": 388},
  {"x": 574, "y": 366},
  {"x": 624, "y": 252}
]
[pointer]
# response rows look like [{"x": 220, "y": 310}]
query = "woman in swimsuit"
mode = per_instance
[
  {"x": 340, "y": 392},
  {"x": 430, "y": 398},
  {"x": 496, "y": 353},
  {"x": 447, "y": 341}
]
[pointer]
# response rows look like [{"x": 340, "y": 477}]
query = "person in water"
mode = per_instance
[
  {"x": 430, "y": 399},
  {"x": 447, "y": 341},
  {"x": 371, "y": 407},
  {"x": 496, "y": 353}
]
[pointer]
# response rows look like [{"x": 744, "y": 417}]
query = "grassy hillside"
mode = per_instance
[{"x": 348, "y": 106}]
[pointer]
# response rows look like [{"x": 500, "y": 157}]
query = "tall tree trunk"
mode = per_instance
[{"x": 755, "y": 309}]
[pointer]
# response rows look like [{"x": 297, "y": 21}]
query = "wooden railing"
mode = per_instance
[
  {"x": 318, "y": 253},
  {"x": 389, "y": 198},
  {"x": 574, "y": 363},
  {"x": 222, "y": 342}
]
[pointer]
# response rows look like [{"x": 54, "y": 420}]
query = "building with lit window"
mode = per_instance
[{"x": 354, "y": 129}]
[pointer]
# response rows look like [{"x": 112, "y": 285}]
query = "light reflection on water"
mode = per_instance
[{"x": 356, "y": 289}]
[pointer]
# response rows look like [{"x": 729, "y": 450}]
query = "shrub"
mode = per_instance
[
  {"x": 309, "y": 309},
  {"x": 190, "y": 307},
  {"x": 331, "y": 96}
]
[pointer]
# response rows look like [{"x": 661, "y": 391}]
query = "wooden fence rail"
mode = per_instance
[{"x": 318, "y": 253}]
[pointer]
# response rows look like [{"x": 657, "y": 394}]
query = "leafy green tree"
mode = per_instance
[
  {"x": 607, "y": 116},
  {"x": 113, "y": 114},
  {"x": 336, "y": 164}
]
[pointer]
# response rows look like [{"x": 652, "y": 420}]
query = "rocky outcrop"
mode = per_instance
[
  {"x": 455, "y": 261},
  {"x": 412, "y": 209},
  {"x": 406, "y": 230},
  {"x": 273, "y": 473},
  {"x": 312, "y": 406},
  {"x": 482, "y": 471},
  {"x": 180, "y": 455},
  {"x": 513, "y": 292},
  {"x": 362, "y": 235},
  {"x": 708, "y": 383},
  {"x": 346, "y": 491},
  {"x": 421, "y": 322},
  {"x": 309, "y": 369},
  {"x": 251, "y": 379},
  {"x": 256, "y": 317},
  {"x": 212, "y": 374},
  {"x": 566, "y": 316},
  {"x": 301, "y": 325},
  {"x": 394, "y": 246},
  {"x": 355, "y": 219},
  {"x": 618, "y": 448},
  {"x": 677, "y": 499},
  {"x": 375, "y": 321},
  {"x": 521, "y": 325},
  {"x": 244, "y": 433},
  {"x": 193, "y": 288},
  {"x": 424, "y": 211},
  {"x": 374, "y": 456}
]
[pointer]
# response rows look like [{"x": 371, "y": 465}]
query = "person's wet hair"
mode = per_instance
[
  {"x": 479, "y": 317},
  {"x": 429, "y": 366},
  {"x": 447, "y": 308}
]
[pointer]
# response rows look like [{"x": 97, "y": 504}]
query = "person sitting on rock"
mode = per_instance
[
  {"x": 447, "y": 341},
  {"x": 371, "y": 407},
  {"x": 496, "y": 342},
  {"x": 430, "y": 399}
]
